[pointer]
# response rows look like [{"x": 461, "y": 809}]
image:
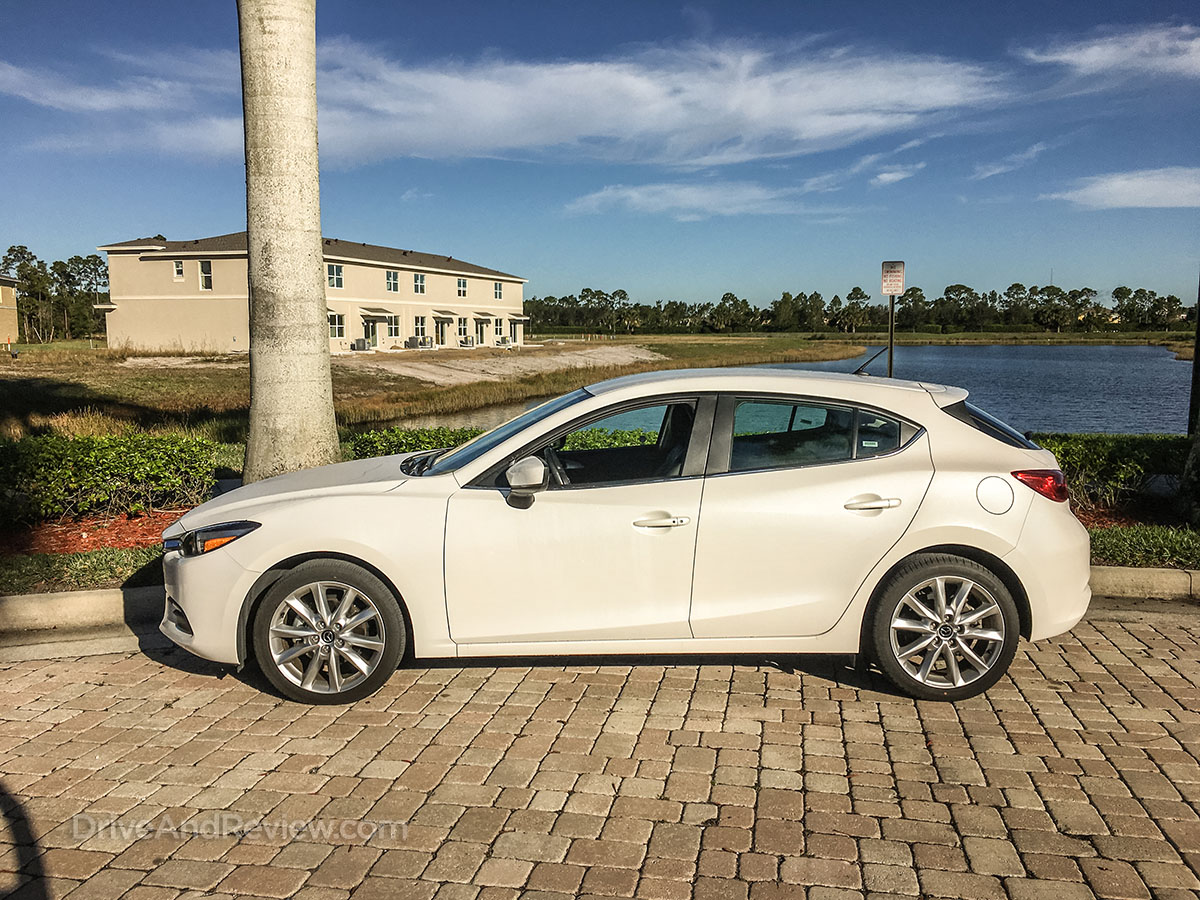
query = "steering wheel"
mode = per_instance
[{"x": 556, "y": 465}]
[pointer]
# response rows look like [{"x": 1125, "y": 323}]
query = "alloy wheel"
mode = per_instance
[
  {"x": 947, "y": 632},
  {"x": 326, "y": 637}
]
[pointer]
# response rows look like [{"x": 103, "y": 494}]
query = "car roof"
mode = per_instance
[{"x": 758, "y": 378}]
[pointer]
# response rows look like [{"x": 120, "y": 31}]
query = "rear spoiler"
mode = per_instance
[{"x": 943, "y": 395}]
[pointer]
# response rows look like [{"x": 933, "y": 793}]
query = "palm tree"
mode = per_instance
[{"x": 292, "y": 424}]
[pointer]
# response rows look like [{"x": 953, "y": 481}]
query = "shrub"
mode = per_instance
[
  {"x": 1103, "y": 469},
  {"x": 389, "y": 441},
  {"x": 55, "y": 477}
]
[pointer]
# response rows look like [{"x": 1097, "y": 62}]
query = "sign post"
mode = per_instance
[{"x": 893, "y": 284}]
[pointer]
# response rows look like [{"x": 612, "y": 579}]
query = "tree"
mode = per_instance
[
  {"x": 292, "y": 423},
  {"x": 912, "y": 309}
]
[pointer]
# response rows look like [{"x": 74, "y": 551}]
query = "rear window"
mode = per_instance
[{"x": 989, "y": 425}]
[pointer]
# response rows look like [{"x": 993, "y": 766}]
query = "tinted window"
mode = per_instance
[
  {"x": 989, "y": 425},
  {"x": 772, "y": 434},
  {"x": 644, "y": 444},
  {"x": 876, "y": 434}
]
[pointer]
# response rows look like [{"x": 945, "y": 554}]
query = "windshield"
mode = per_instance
[{"x": 476, "y": 447}]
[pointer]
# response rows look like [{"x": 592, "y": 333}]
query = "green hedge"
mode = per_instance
[
  {"x": 389, "y": 441},
  {"x": 1103, "y": 469},
  {"x": 53, "y": 477}
]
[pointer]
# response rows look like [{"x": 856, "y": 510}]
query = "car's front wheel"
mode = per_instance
[
  {"x": 944, "y": 628},
  {"x": 328, "y": 632}
]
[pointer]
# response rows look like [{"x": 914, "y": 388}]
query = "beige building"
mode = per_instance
[
  {"x": 192, "y": 295},
  {"x": 8, "y": 310}
]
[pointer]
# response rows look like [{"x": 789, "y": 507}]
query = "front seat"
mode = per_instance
[{"x": 676, "y": 431}]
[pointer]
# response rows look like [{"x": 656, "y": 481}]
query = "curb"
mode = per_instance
[{"x": 27, "y": 619}]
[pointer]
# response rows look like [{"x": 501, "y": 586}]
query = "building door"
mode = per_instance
[
  {"x": 512, "y": 332},
  {"x": 480, "y": 332},
  {"x": 371, "y": 332},
  {"x": 439, "y": 332}
]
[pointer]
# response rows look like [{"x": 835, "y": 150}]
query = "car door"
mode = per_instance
[
  {"x": 802, "y": 499},
  {"x": 605, "y": 552}
]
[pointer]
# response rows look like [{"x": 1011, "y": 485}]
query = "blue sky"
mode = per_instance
[{"x": 677, "y": 151}]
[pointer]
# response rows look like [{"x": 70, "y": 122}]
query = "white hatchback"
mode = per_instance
[{"x": 703, "y": 511}]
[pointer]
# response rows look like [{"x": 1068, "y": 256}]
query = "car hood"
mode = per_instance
[{"x": 362, "y": 476}]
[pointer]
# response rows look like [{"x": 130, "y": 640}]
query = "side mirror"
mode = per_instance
[{"x": 526, "y": 477}]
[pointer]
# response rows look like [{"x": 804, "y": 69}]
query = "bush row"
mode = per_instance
[
  {"x": 1103, "y": 469},
  {"x": 53, "y": 477},
  {"x": 49, "y": 477}
]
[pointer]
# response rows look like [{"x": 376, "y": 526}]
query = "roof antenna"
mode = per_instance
[{"x": 862, "y": 370}]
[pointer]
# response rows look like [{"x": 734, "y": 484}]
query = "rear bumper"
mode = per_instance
[{"x": 1052, "y": 559}]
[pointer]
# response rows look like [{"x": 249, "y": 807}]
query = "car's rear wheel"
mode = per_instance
[
  {"x": 328, "y": 632},
  {"x": 944, "y": 628}
]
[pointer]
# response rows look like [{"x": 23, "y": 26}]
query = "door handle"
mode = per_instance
[
  {"x": 881, "y": 503},
  {"x": 664, "y": 522}
]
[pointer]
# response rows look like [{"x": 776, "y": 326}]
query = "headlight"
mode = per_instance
[{"x": 203, "y": 540}]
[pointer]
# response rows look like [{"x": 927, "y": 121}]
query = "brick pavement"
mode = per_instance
[{"x": 1078, "y": 777}]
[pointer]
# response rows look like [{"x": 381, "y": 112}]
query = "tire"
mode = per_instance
[
  {"x": 328, "y": 632},
  {"x": 929, "y": 650}
]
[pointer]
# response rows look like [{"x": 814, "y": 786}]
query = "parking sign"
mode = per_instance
[{"x": 893, "y": 278}]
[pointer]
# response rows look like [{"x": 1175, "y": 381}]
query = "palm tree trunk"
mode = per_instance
[{"x": 291, "y": 395}]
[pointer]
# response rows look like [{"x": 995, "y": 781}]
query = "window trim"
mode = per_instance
[
  {"x": 462, "y": 287},
  {"x": 393, "y": 326},
  {"x": 418, "y": 282},
  {"x": 338, "y": 321},
  {"x": 209, "y": 274},
  {"x": 335, "y": 272},
  {"x": 497, "y": 290},
  {"x": 693, "y": 460},
  {"x": 419, "y": 326},
  {"x": 720, "y": 448},
  {"x": 177, "y": 269},
  {"x": 391, "y": 281}
]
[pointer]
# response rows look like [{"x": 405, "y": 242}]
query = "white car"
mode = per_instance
[{"x": 704, "y": 511}]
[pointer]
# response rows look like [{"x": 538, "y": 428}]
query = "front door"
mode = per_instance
[
  {"x": 371, "y": 332},
  {"x": 439, "y": 330},
  {"x": 480, "y": 332},
  {"x": 809, "y": 504},
  {"x": 605, "y": 553}
]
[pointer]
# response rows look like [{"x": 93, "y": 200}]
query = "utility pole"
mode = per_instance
[{"x": 1194, "y": 398}]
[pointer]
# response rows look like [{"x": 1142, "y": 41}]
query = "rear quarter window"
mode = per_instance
[{"x": 987, "y": 423}]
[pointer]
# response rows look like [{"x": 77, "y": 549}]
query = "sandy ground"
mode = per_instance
[
  {"x": 465, "y": 369},
  {"x": 240, "y": 361}
]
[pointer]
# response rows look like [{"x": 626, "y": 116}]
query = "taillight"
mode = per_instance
[{"x": 1047, "y": 482}]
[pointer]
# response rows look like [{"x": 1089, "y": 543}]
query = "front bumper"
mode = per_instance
[{"x": 205, "y": 595}]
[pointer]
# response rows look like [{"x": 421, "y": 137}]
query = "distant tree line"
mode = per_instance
[
  {"x": 958, "y": 308},
  {"x": 56, "y": 300}
]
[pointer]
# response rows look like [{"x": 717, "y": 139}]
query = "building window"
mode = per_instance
[
  {"x": 462, "y": 287},
  {"x": 333, "y": 272},
  {"x": 419, "y": 326},
  {"x": 498, "y": 290},
  {"x": 337, "y": 325},
  {"x": 393, "y": 326},
  {"x": 418, "y": 283},
  {"x": 498, "y": 325},
  {"x": 179, "y": 270},
  {"x": 206, "y": 274},
  {"x": 462, "y": 329},
  {"x": 393, "y": 281}
]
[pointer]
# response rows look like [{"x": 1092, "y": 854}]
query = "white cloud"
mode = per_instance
[
  {"x": 892, "y": 174},
  {"x": 1176, "y": 186},
  {"x": 1151, "y": 49},
  {"x": 689, "y": 202},
  {"x": 1010, "y": 163},
  {"x": 695, "y": 105}
]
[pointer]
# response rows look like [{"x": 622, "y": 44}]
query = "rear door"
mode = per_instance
[{"x": 802, "y": 499}]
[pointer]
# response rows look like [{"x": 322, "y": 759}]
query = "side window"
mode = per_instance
[
  {"x": 648, "y": 443},
  {"x": 770, "y": 434},
  {"x": 876, "y": 434}
]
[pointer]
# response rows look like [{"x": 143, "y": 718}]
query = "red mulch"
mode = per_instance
[{"x": 90, "y": 534}]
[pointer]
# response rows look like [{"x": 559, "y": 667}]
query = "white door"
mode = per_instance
[
  {"x": 480, "y": 332},
  {"x": 808, "y": 507},
  {"x": 605, "y": 553}
]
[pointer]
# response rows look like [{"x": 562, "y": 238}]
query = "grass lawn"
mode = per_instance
[
  {"x": 70, "y": 389},
  {"x": 46, "y": 572}
]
